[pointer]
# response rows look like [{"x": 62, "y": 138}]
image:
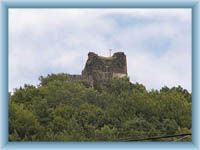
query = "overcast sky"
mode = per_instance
[{"x": 157, "y": 43}]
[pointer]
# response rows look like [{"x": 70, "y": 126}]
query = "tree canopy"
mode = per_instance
[{"x": 61, "y": 110}]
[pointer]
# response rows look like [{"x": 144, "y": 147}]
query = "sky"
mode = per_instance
[{"x": 157, "y": 43}]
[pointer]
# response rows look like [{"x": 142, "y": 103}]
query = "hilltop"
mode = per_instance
[{"x": 61, "y": 109}]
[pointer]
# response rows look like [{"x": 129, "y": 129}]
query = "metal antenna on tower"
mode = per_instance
[{"x": 110, "y": 51}]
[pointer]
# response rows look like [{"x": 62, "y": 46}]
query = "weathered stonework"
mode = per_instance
[
  {"x": 100, "y": 70},
  {"x": 74, "y": 77}
]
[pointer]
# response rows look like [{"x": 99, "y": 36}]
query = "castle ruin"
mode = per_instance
[{"x": 99, "y": 70}]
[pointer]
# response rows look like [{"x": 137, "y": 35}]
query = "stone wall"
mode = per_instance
[
  {"x": 99, "y": 70},
  {"x": 74, "y": 77}
]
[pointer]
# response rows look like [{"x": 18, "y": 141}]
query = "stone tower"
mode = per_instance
[{"x": 99, "y": 70}]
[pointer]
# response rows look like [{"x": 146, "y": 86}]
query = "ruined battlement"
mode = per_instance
[
  {"x": 99, "y": 70},
  {"x": 74, "y": 77}
]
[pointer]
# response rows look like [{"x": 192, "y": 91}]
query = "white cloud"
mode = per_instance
[{"x": 157, "y": 43}]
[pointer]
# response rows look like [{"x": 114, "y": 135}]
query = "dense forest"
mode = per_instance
[{"x": 61, "y": 110}]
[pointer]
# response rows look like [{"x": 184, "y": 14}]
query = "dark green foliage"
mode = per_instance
[
  {"x": 23, "y": 124},
  {"x": 61, "y": 110}
]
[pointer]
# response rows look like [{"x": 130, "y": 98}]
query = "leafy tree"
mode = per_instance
[
  {"x": 105, "y": 133},
  {"x": 23, "y": 125},
  {"x": 59, "y": 109}
]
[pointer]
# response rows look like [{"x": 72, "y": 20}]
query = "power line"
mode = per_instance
[
  {"x": 182, "y": 138},
  {"x": 157, "y": 137}
]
